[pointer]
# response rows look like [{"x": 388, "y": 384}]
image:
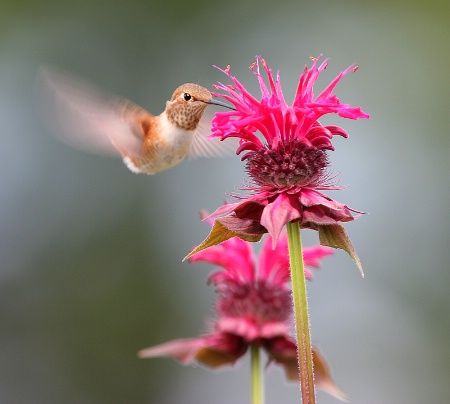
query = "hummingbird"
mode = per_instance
[{"x": 91, "y": 120}]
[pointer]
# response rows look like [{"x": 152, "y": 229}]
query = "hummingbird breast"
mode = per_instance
[{"x": 165, "y": 145}]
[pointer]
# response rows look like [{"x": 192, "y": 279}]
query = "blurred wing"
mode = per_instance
[
  {"x": 85, "y": 118},
  {"x": 202, "y": 146}
]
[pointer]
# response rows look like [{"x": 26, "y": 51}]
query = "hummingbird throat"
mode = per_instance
[{"x": 185, "y": 117}]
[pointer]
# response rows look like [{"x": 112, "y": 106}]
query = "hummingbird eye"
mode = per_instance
[{"x": 187, "y": 96}]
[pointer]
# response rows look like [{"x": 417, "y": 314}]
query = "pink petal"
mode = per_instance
[
  {"x": 234, "y": 255},
  {"x": 274, "y": 262},
  {"x": 352, "y": 113},
  {"x": 275, "y": 329},
  {"x": 313, "y": 255},
  {"x": 271, "y": 115},
  {"x": 183, "y": 350},
  {"x": 223, "y": 210},
  {"x": 282, "y": 210},
  {"x": 241, "y": 326},
  {"x": 337, "y": 131},
  {"x": 326, "y": 93}
]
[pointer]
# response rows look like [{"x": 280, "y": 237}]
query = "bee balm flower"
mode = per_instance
[
  {"x": 287, "y": 163},
  {"x": 254, "y": 307}
]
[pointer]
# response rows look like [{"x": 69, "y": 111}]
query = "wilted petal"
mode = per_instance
[
  {"x": 322, "y": 210},
  {"x": 242, "y": 227},
  {"x": 284, "y": 352},
  {"x": 212, "y": 350},
  {"x": 319, "y": 215},
  {"x": 322, "y": 376},
  {"x": 221, "y": 349},
  {"x": 310, "y": 197},
  {"x": 214, "y": 358}
]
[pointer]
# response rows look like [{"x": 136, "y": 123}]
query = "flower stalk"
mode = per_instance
[
  {"x": 256, "y": 375},
  {"x": 304, "y": 350}
]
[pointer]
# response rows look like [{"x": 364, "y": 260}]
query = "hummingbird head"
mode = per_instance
[{"x": 187, "y": 105}]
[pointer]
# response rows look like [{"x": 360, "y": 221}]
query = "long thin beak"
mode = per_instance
[{"x": 222, "y": 104}]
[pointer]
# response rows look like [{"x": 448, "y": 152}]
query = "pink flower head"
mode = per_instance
[
  {"x": 287, "y": 163},
  {"x": 253, "y": 307}
]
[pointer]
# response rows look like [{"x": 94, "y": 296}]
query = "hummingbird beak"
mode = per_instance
[{"x": 222, "y": 104}]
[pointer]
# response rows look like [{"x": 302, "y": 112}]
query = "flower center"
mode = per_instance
[
  {"x": 288, "y": 165},
  {"x": 261, "y": 302}
]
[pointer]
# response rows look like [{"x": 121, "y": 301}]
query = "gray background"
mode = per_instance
[{"x": 90, "y": 254}]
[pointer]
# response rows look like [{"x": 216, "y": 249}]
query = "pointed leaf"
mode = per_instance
[
  {"x": 220, "y": 233},
  {"x": 322, "y": 376},
  {"x": 334, "y": 235}
]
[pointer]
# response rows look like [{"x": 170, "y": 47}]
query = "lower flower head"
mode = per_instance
[{"x": 253, "y": 307}]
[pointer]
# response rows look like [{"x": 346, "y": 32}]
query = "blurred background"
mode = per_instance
[{"x": 90, "y": 253}]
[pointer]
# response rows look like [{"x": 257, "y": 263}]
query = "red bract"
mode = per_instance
[{"x": 253, "y": 306}]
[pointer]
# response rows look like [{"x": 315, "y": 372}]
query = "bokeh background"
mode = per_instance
[{"x": 90, "y": 254}]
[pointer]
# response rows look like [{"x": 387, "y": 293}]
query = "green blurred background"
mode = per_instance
[{"x": 90, "y": 254}]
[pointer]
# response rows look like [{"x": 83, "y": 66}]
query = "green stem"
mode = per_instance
[
  {"x": 304, "y": 351},
  {"x": 256, "y": 375}
]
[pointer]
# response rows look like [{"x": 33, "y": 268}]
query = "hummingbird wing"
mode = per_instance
[
  {"x": 203, "y": 146},
  {"x": 82, "y": 116}
]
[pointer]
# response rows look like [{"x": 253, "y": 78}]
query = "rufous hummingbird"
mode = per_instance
[{"x": 88, "y": 119}]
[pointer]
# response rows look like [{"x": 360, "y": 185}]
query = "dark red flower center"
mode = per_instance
[
  {"x": 288, "y": 165},
  {"x": 261, "y": 302}
]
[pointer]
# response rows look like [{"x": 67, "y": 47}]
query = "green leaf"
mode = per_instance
[
  {"x": 220, "y": 233},
  {"x": 335, "y": 236}
]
